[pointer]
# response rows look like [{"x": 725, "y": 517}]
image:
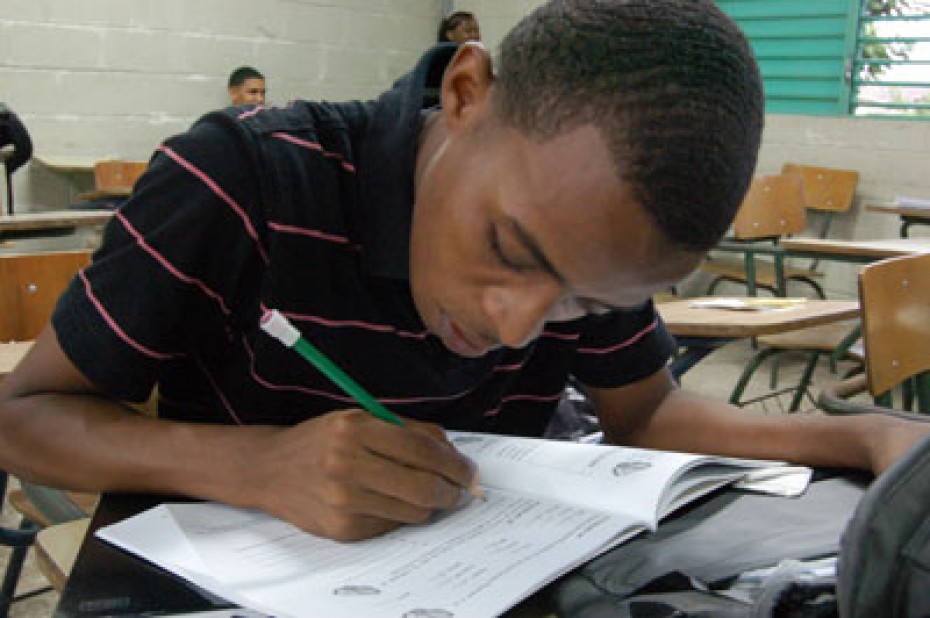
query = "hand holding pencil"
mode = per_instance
[{"x": 401, "y": 442}]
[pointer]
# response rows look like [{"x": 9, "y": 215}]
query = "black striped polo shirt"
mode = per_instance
[{"x": 307, "y": 209}]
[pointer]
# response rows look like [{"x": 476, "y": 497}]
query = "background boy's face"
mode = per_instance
[
  {"x": 509, "y": 233},
  {"x": 465, "y": 30},
  {"x": 249, "y": 92}
]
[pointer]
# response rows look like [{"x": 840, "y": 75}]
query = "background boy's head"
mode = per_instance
[
  {"x": 246, "y": 87},
  {"x": 459, "y": 27},
  {"x": 671, "y": 84}
]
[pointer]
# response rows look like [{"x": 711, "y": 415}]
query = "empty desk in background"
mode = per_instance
[
  {"x": 701, "y": 330},
  {"x": 68, "y": 164},
  {"x": 49, "y": 223},
  {"x": 909, "y": 215}
]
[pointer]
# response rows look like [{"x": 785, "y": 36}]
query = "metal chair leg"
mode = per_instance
[
  {"x": 21, "y": 541},
  {"x": 746, "y": 376},
  {"x": 805, "y": 382}
]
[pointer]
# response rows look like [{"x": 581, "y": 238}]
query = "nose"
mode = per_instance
[{"x": 518, "y": 313}]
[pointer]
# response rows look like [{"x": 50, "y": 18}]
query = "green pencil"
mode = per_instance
[{"x": 280, "y": 328}]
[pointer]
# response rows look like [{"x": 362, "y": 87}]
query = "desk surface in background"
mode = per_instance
[
  {"x": 856, "y": 250},
  {"x": 68, "y": 163},
  {"x": 918, "y": 212},
  {"x": 909, "y": 214},
  {"x": 684, "y": 320},
  {"x": 52, "y": 219}
]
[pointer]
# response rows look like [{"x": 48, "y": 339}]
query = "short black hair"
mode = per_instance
[
  {"x": 673, "y": 87},
  {"x": 450, "y": 23},
  {"x": 238, "y": 77}
]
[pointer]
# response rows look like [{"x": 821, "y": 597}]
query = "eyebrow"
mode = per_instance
[{"x": 530, "y": 244}]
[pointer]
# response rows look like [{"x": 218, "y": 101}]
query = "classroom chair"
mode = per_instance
[
  {"x": 113, "y": 182},
  {"x": 773, "y": 208},
  {"x": 57, "y": 548},
  {"x": 19, "y": 541},
  {"x": 837, "y": 341},
  {"x": 894, "y": 296},
  {"x": 825, "y": 192},
  {"x": 29, "y": 287}
]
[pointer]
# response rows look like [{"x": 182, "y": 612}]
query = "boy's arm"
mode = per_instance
[
  {"x": 656, "y": 413},
  {"x": 344, "y": 475}
]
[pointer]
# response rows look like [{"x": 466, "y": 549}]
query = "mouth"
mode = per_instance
[{"x": 459, "y": 341}]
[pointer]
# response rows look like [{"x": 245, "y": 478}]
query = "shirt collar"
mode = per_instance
[{"x": 386, "y": 165}]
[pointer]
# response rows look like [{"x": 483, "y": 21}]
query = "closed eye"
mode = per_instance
[{"x": 505, "y": 256}]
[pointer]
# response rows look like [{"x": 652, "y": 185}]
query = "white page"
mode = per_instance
[
  {"x": 477, "y": 561},
  {"x": 610, "y": 478}
]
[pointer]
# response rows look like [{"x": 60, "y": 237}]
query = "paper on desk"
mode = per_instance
[
  {"x": 913, "y": 202},
  {"x": 464, "y": 564},
  {"x": 748, "y": 304}
]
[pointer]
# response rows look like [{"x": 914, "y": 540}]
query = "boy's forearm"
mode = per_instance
[
  {"x": 686, "y": 421},
  {"x": 89, "y": 443}
]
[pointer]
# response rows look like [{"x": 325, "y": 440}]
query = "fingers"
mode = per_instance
[
  {"x": 349, "y": 476},
  {"x": 422, "y": 447}
]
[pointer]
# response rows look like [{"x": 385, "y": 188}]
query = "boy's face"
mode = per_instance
[
  {"x": 249, "y": 92},
  {"x": 509, "y": 233}
]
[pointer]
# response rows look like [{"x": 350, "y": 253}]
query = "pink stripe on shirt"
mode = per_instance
[
  {"x": 108, "y": 319},
  {"x": 379, "y": 328},
  {"x": 622, "y": 344},
  {"x": 193, "y": 169},
  {"x": 168, "y": 265},
  {"x": 302, "y": 231},
  {"x": 287, "y": 137}
]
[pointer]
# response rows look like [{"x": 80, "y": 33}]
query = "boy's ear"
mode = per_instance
[{"x": 466, "y": 86}]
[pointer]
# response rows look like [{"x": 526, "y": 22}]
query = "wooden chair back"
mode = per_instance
[
  {"x": 825, "y": 189},
  {"x": 113, "y": 176},
  {"x": 773, "y": 207},
  {"x": 30, "y": 284},
  {"x": 895, "y": 299}
]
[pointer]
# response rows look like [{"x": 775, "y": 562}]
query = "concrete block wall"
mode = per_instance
[
  {"x": 892, "y": 156},
  {"x": 113, "y": 78}
]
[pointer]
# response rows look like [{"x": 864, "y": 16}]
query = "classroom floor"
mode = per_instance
[{"x": 714, "y": 376}]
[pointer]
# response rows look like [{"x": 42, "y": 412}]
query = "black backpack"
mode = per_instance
[{"x": 884, "y": 565}]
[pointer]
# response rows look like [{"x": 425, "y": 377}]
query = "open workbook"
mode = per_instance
[{"x": 549, "y": 507}]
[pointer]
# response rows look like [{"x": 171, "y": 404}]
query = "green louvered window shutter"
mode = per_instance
[{"x": 805, "y": 51}]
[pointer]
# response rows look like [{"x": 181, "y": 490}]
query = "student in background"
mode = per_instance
[
  {"x": 459, "y": 27},
  {"x": 459, "y": 262},
  {"x": 246, "y": 87}
]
